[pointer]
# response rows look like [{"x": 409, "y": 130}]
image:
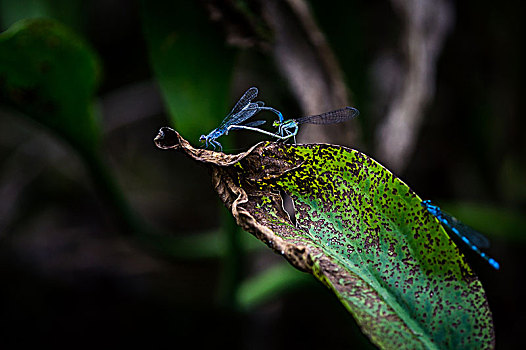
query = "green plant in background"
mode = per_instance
[
  {"x": 51, "y": 75},
  {"x": 360, "y": 230},
  {"x": 194, "y": 68},
  {"x": 191, "y": 64}
]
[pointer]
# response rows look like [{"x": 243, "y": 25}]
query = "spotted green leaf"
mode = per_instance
[
  {"x": 389, "y": 261},
  {"x": 362, "y": 232}
]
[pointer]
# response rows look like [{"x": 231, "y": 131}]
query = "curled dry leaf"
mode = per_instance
[
  {"x": 362, "y": 232},
  {"x": 225, "y": 178}
]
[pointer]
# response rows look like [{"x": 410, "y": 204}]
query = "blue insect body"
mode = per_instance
[
  {"x": 243, "y": 110},
  {"x": 475, "y": 240},
  {"x": 289, "y": 128}
]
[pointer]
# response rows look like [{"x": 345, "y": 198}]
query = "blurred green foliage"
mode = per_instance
[
  {"x": 497, "y": 223},
  {"x": 69, "y": 273},
  {"x": 51, "y": 75},
  {"x": 69, "y": 12},
  {"x": 191, "y": 63}
]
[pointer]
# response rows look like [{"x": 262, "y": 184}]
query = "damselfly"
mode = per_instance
[
  {"x": 243, "y": 110},
  {"x": 474, "y": 239},
  {"x": 289, "y": 128}
]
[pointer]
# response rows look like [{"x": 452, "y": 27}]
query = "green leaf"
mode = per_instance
[
  {"x": 51, "y": 75},
  {"x": 191, "y": 64},
  {"x": 414, "y": 289},
  {"x": 362, "y": 232}
]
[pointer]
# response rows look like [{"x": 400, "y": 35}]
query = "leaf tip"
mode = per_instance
[{"x": 167, "y": 138}]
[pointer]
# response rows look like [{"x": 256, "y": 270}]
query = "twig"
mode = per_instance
[
  {"x": 427, "y": 24},
  {"x": 308, "y": 63}
]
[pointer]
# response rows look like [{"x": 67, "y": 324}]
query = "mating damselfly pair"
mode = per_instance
[{"x": 245, "y": 109}]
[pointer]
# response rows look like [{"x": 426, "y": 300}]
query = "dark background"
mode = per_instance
[{"x": 69, "y": 274}]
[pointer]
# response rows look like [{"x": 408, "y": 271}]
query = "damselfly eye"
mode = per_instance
[{"x": 202, "y": 138}]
